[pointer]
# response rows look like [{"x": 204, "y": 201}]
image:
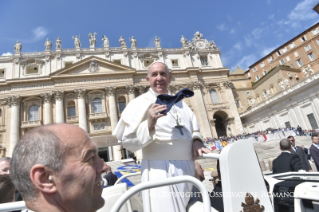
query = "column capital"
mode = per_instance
[
  {"x": 171, "y": 88},
  {"x": 13, "y": 100},
  {"x": 141, "y": 89},
  {"x": 227, "y": 84},
  {"x": 110, "y": 90},
  {"x": 58, "y": 95},
  {"x": 46, "y": 97},
  {"x": 80, "y": 93},
  {"x": 195, "y": 85},
  {"x": 131, "y": 89}
]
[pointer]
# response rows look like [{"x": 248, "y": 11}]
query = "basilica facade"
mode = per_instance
[{"x": 90, "y": 87}]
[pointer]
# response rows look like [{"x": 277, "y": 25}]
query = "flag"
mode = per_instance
[
  {"x": 219, "y": 146},
  {"x": 224, "y": 143}
]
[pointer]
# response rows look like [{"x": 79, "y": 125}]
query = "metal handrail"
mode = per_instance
[
  {"x": 125, "y": 176},
  {"x": 5, "y": 207},
  {"x": 158, "y": 183}
]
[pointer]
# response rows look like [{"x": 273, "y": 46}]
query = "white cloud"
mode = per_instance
[
  {"x": 303, "y": 11},
  {"x": 267, "y": 50},
  {"x": 271, "y": 16},
  {"x": 257, "y": 32},
  {"x": 39, "y": 33},
  {"x": 237, "y": 46},
  {"x": 268, "y": 1},
  {"x": 245, "y": 62},
  {"x": 248, "y": 40},
  {"x": 222, "y": 27},
  {"x": 6, "y": 54}
]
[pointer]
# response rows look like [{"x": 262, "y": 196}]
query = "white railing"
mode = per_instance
[
  {"x": 12, "y": 206},
  {"x": 31, "y": 123},
  {"x": 72, "y": 118},
  {"x": 98, "y": 115},
  {"x": 158, "y": 183}
]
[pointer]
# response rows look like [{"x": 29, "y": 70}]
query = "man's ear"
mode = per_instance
[{"x": 42, "y": 179}]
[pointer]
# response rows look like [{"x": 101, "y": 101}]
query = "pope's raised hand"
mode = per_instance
[{"x": 154, "y": 113}]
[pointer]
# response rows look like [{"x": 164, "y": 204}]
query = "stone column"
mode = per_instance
[
  {"x": 47, "y": 107},
  {"x": 14, "y": 102},
  {"x": 131, "y": 91},
  {"x": 81, "y": 93},
  {"x": 214, "y": 128},
  {"x": 292, "y": 115},
  {"x": 59, "y": 109},
  {"x": 232, "y": 106},
  {"x": 315, "y": 102},
  {"x": 110, "y": 91},
  {"x": 203, "y": 117},
  {"x": 300, "y": 120}
]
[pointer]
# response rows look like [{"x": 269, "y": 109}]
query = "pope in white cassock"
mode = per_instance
[{"x": 168, "y": 151}]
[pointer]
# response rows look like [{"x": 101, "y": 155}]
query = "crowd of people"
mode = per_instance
[{"x": 219, "y": 142}]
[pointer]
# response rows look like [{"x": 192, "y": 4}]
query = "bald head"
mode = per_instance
[{"x": 285, "y": 144}]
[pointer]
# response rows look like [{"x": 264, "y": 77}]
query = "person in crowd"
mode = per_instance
[
  {"x": 57, "y": 168},
  {"x": 286, "y": 162},
  {"x": 299, "y": 129},
  {"x": 6, "y": 189},
  {"x": 314, "y": 149},
  {"x": 298, "y": 150},
  {"x": 5, "y": 166},
  {"x": 110, "y": 177},
  {"x": 5, "y": 170},
  {"x": 168, "y": 135}
]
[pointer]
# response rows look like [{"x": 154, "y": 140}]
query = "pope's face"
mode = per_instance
[
  {"x": 79, "y": 182},
  {"x": 158, "y": 78},
  {"x": 5, "y": 167}
]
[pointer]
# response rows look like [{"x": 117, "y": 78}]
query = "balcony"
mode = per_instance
[
  {"x": 72, "y": 119},
  {"x": 94, "y": 116},
  {"x": 28, "y": 124}
]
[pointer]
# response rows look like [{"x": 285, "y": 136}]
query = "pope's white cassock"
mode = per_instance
[{"x": 166, "y": 152}]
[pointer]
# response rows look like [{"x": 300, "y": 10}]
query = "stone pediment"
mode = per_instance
[{"x": 93, "y": 66}]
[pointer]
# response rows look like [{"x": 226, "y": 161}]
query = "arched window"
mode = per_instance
[
  {"x": 122, "y": 103},
  {"x": 213, "y": 95},
  {"x": 34, "y": 113},
  {"x": 97, "y": 105},
  {"x": 71, "y": 109}
]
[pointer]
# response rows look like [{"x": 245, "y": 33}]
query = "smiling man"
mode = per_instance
[
  {"x": 57, "y": 168},
  {"x": 169, "y": 142}
]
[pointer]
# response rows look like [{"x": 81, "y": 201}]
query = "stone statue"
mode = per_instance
[
  {"x": 184, "y": 41},
  {"x": 122, "y": 42},
  {"x": 93, "y": 66},
  {"x": 253, "y": 101},
  {"x": 58, "y": 44},
  {"x": 305, "y": 72},
  {"x": 268, "y": 92},
  {"x": 265, "y": 94},
  {"x": 77, "y": 42},
  {"x": 310, "y": 70},
  {"x": 106, "y": 43},
  {"x": 133, "y": 42},
  {"x": 286, "y": 81},
  {"x": 17, "y": 48},
  {"x": 282, "y": 85},
  {"x": 48, "y": 45},
  {"x": 157, "y": 42},
  {"x": 198, "y": 36},
  {"x": 92, "y": 39}
]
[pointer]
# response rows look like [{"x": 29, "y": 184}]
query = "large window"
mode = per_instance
[
  {"x": 203, "y": 60},
  {"x": 299, "y": 62},
  {"x": 213, "y": 95},
  {"x": 311, "y": 56},
  {"x": 122, "y": 103},
  {"x": 71, "y": 109},
  {"x": 34, "y": 113},
  {"x": 97, "y": 105}
]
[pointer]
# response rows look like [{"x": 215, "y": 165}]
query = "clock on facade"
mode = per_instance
[{"x": 200, "y": 44}]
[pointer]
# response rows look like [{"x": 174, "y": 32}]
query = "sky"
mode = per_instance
[{"x": 244, "y": 31}]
